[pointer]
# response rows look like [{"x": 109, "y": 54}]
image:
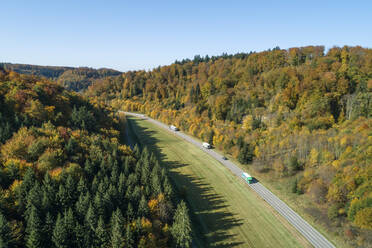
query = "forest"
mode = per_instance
[
  {"x": 300, "y": 115},
  {"x": 68, "y": 180},
  {"x": 76, "y": 79}
]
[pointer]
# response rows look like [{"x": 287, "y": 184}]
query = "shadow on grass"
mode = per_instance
[{"x": 211, "y": 221}]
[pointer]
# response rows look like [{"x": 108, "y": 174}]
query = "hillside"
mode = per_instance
[
  {"x": 76, "y": 79},
  {"x": 298, "y": 117},
  {"x": 67, "y": 179}
]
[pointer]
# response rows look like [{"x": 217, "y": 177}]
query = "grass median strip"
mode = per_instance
[{"x": 227, "y": 213}]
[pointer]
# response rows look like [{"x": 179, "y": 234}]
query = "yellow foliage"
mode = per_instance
[
  {"x": 153, "y": 205},
  {"x": 161, "y": 197},
  {"x": 55, "y": 173},
  {"x": 146, "y": 224},
  {"x": 336, "y": 164},
  {"x": 363, "y": 218},
  {"x": 347, "y": 151},
  {"x": 257, "y": 152},
  {"x": 247, "y": 122},
  {"x": 17, "y": 146},
  {"x": 22, "y": 165},
  {"x": 314, "y": 157},
  {"x": 15, "y": 185},
  {"x": 165, "y": 228},
  {"x": 125, "y": 149},
  {"x": 344, "y": 140}
]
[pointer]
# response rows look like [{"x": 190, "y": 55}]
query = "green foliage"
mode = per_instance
[
  {"x": 60, "y": 233},
  {"x": 245, "y": 154},
  {"x": 83, "y": 119},
  {"x": 303, "y": 112},
  {"x": 181, "y": 228},
  {"x": 65, "y": 183},
  {"x": 5, "y": 232}
]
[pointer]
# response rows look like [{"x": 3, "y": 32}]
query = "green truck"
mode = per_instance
[{"x": 247, "y": 177}]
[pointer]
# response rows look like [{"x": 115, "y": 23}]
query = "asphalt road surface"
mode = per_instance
[{"x": 310, "y": 233}]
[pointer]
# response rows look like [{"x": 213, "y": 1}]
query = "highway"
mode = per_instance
[{"x": 310, "y": 233}]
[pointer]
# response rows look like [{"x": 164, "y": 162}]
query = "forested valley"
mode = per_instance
[
  {"x": 72, "y": 78},
  {"x": 301, "y": 117},
  {"x": 68, "y": 180}
]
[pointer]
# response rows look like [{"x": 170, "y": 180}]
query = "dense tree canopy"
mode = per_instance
[
  {"x": 66, "y": 179},
  {"x": 300, "y": 114}
]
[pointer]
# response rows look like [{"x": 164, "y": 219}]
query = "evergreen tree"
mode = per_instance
[
  {"x": 91, "y": 218},
  {"x": 29, "y": 180},
  {"x": 80, "y": 235},
  {"x": 5, "y": 232},
  {"x": 62, "y": 197},
  {"x": 129, "y": 241},
  {"x": 34, "y": 237},
  {"x": 60, "y": 233},
  {"x": 82, "y": 187},
  {"x": 181, "y": 228},
  {"x": 117, "y": 235},
  {"x": 102, "y": 238},
  {"x": 82, "y": 205},
  {"x": 143, "y": 208},
  {"x": 34, "y": 199},
  {"x": 245, "y": 154},
  {"x": 48, "y": 230},
  {"x": 90, "y": 225},
  {"x": 70, "y": 189},
  {"x": 70, "y": 226},
  {"x": 130, "y": 211}
]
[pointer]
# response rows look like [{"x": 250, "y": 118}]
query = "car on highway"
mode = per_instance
[{"x": 224, "y": 158}]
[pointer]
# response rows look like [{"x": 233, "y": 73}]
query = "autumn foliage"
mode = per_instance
[{"x": 298, "y": 114}]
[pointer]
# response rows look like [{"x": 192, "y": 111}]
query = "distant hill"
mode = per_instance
[{"x": 73, "y": 78}]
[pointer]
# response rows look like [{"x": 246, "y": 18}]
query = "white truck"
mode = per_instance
[
  {"x": 173, "y": 128},
  {"x": 207, "y": 145}
]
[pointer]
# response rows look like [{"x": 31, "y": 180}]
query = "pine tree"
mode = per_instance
[
  {"x": 130, "y": 211},
  {"x": 49, "y": 187},
  {"x": 102, "y": 238},
  {"x": 80, "y": 234},
  {"x": 129, "y": 242},
  {"x": 82, "y": 187},
  {"x": 136, "y": 151},
  {"x": 48, "y": 230},
  {"x": 143, "y": 208},
  {"x": 70, "y": 226},
  {"x": 82, "y": 205},
  {"x": 34, "y": 237},
  {"x": 5, "y": 232},
  {"x": 70, "y": 189},
  {"x": 60, "y": 234},
  {"x": 90, "y": 225},
  {"x": 62, "y": 197},
  {"x": 91, "y": 218},
  {"x": 29, "y": 180},
  {"x": 34, "y": 198},
  {"x": 181, "y": 228},
  {"x": 117, "y": 235},
  {"x": 46, "y": 202}
]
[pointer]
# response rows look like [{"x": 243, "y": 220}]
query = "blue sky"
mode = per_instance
[{"x": 127, "y": 35}]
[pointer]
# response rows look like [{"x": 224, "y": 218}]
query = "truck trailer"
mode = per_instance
[
  {"x": 173, "y": 128},
  {"x": 207, "y": 145},
  {"x": 248, "y": 178}
]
